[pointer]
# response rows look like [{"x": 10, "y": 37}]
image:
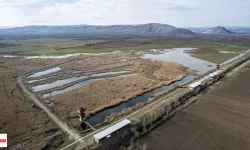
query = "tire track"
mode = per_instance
[{"x": 52, "y": 116}]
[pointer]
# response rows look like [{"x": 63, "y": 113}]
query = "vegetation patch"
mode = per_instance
[
  {"x": 212, "y": 55},
  {"x": 209, "y": 48},
  {"x": 53, "y": 52},
  {"x": 248, "y": 66}
]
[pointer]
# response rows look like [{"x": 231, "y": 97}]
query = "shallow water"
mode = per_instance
[
  {"x": 50, "y": 133},
  {"x": 57, "y": 83},
  {"x": 108, "y": 73},
  {"x": 49, "y": 71},
  {"x": 101, "y": 116},
  {"x": 33, "y": 81},
  {"x": 180, "y": 55},
  {"x": 61, "y": 56},
  {"x": 62, "y": 82},
  {"x": 75, "y": 86},
  {"x": 80, "y": 84},
  {"x": 227, "y": 52}
]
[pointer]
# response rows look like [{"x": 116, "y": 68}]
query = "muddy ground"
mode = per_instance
[
  {"x": 26, "y": 125},
  {"x": 219, "y": 120},
  {"x": 98, "y": 95}
]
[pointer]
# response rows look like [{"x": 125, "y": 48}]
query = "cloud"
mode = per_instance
[
  {"x": 182, "y": 8},
  {"x": 13, "y": 3},
  {"x": 98, "y": 17},
  {"x": 104, "y": 12}
]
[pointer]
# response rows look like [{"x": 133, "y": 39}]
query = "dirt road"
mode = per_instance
[
  {"x": 57, "y": 121},
  {"x": 219, "y": 120}
]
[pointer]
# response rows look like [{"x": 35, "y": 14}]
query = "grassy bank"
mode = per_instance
[
  {"x": 53, "y": 52},
  {"x": 207, "y": 49},
  {"x": 210, "y": 51},
  {"x": 212, "y": 55}
]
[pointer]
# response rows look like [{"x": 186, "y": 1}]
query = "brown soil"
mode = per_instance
[
  {"x": 113, "y": 62},
  {"x": 94, "y": 62},
  {"x": 163, "y": 71},
  {"x": 100, "y": 94},
  {"x": 20, "y": 118},
  {"x": 219, "y": 120},
  {"x": 98, "y": 63},
  {"x": 169, "y": 71}
]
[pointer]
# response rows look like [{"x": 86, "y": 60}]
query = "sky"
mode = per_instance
[{"x": 180, "y": 13}]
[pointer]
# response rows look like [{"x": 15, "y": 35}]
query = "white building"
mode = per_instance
[
  {"x": 213, "y": 75},
  {"x": 194, "y": 85},
  {"x": 106, "y": 133}
]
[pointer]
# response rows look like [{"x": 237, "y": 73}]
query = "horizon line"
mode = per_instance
[{"x": 121, "y": 24}]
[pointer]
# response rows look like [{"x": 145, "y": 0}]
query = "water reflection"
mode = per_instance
[
  {"x": 181, "y": 56},
  {"x": 101, "y": 116},
  {"x": 77, "y": 85},
  {"x": 49, "y": 71}
]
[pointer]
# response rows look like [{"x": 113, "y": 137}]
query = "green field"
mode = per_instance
[
  {"x": 212, "y": 55},
  {"x": 248, "y": 67},
  {"x": 52, "y": 52},
  {"x": 208, "y": 49},
  {"x": 42, "y": 46},
  {"x": 212, "y": 52}
]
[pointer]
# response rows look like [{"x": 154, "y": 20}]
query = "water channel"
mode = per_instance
[
  {"x": 62, "y": 82},
  {"x": 79, "y": 84},
  {"x": 101, "y": 116},
  {"x": 41, "y": 73}
]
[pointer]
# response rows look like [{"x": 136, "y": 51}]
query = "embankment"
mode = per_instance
[{"x": 146, "y": 120}]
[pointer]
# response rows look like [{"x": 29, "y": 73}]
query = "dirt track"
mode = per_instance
[
  {"x": 219, "y": 120},
  {"x": 53, "y": 117},
  {"x": 25, "y": 124}
]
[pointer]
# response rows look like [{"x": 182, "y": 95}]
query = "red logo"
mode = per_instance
[{"x": 3, "y": 140}]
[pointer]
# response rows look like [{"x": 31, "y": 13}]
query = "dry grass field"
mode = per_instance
[
  {"x": 35, "y": 128},
  {"x": 25, "y": 124},
  {"x": 28, "y": 126},
  {"x": 219, "y": 120}
]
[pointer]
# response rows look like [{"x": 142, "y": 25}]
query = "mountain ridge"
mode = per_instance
[
  {"x": 218, "y": 30},
  {"x": 150, "y": 29}
]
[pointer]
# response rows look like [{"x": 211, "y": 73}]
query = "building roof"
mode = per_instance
[
  {"x": 194, "y": 85},
  {"x": 112, "y": 129},
  {"x": 213, "y": 74}
]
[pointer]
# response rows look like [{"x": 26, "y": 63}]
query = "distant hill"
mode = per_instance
[
  {"x": 245, "y": 30},
  {"x": 218, "y": 30},
  {"x": 235, "y": 29},
  {"x": 151, "y": 29},
  {"x": 6, "y": 27},
  {"x": 198, "y": 29}
]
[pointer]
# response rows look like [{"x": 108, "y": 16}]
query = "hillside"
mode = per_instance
[
  {"x": 245, "y": 30},
  {"x": 218, "y": 30},
  {"x": 152, "y": 29},
  {"x": 238, "y": 30}
]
